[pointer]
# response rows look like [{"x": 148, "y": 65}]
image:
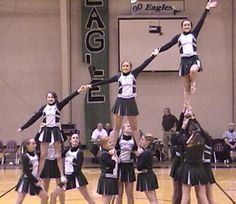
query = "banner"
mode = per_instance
[
  {"x": 95, "y": 50},
  {"x": 142, "y": 7}
]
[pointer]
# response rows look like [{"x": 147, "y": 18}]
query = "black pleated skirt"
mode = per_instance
[
  {"x": 210, "y": 175},
  {"x": 186, "y": 64},
  {"x": 50, "y": 169},
  {"x": 178, "y": 173},
  {"x": 107, "y": 186},
  {"x": 194, "y": 174},
  {"x": 76, "y": 182},
  {"x": 126, "y": 172},
  {"x": 51, "y": 134},
  {"x": 176, "y": 162},
  {"x": 146, "y": 181},
  {"x": 125, "y": 107},
  {"x": 25, "y": 186}
]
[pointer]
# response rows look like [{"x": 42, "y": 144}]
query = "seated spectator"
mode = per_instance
[
  {"x": 108, "y": 128},
  {"x": 96, "y": 134},
  {"x": 230, "y": 140}
]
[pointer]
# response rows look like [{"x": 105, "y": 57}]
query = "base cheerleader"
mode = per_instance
[
  {"x": 193, "y": 172},
  {"x": 108, "y": 181},
  {"x": 146, "y": 178},
  {"x": 75, "y": 178},
  {"x": 177, "y": 159},
  {"x": 28, "y": 182},
  {"x": 207, "y": 155},
  {"x": 51, "y": 171},
  {"x": 125, "y": 148}
]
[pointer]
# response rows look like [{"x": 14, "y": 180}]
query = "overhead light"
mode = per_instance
[{"x": 133, "y": 1}]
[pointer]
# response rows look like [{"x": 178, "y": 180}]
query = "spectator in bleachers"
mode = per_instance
[
  {"x": 108, "y": 128},
  {"x": 96, "y": 134},
  {"x": 230, "y": 140}
]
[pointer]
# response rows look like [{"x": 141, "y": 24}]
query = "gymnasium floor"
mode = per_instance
[{"x": 224, "y": 174}]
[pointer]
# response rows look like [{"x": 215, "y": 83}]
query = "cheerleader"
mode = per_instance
[
  {"x": 51, "y": 171},
  {"x": 28, "y": 183},
  {"x": 193, "y": 172},
  {"x": 146, "y": 179},
  {"x": 187, "y": 41},
  {"x": 74, "y": 158},
  {"x": 125, "y": 147},
  {"x": 177, "y": 159},
  {"x": 50, "y": 130},
  {"x": 125, "y": 103},
  {"x": 207, "y": 155},
  {"x": 108, "y": 181}
]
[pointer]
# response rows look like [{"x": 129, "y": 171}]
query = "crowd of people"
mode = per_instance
[{"x": 120, "y": 149}]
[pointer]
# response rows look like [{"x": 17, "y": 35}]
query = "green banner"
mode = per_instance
[{"x": 95, "y": 50}]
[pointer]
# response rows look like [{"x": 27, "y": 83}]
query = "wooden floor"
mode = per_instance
[{"x": 226, "y": 178}]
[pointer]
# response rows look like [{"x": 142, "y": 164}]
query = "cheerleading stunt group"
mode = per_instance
[{"x": 125, "y": 148}]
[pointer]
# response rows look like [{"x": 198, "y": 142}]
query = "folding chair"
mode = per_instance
[
  {"x": 1, "y": 150},
  {"x": 11, "y": 149},
  {"x": 219, "y": 150}
]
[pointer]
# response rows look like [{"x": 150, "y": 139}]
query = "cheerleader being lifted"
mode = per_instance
[{"x": 187, "y": 41}]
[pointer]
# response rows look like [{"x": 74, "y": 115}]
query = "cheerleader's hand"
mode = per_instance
[
  {"x": 112, "y": 151},
  {"x": 211, "y": 4},
  {"x": 82, "y": 88},
  {"x": 41, "y": 126},
  {"x": 185, "y": 123},
  {"x": 140, "y": 151},
  {"x": 115, "y": 158},
  {"x": 63, "y": 179},
  {"x": 185, "y": 106},
  {"x": 19, "y": 130},
  {"x": 155, "y": 52},
  {"x": 88, "y": 86}
]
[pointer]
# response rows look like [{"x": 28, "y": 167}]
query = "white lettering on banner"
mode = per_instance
[{"x": 154, "y": 8}]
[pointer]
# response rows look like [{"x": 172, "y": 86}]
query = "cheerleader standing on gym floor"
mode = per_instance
[
  {"x": 50, "y": 130},
  {"x": 74, "y": 158},
  {"x": 207, "y": 155},
  {"x": 125, "y": 147},
  {"x": 28, "y": 183},
  {"x": 108, "y": 181},
  {"x": 51, "y": 171},
  {"x": 146, "y": 179},
  {"x": 187, "y": 41},
  {"x": 125, "y": 104},
  {"x": 177, "y": 160},
  {"x": 193, "y": 172}
]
